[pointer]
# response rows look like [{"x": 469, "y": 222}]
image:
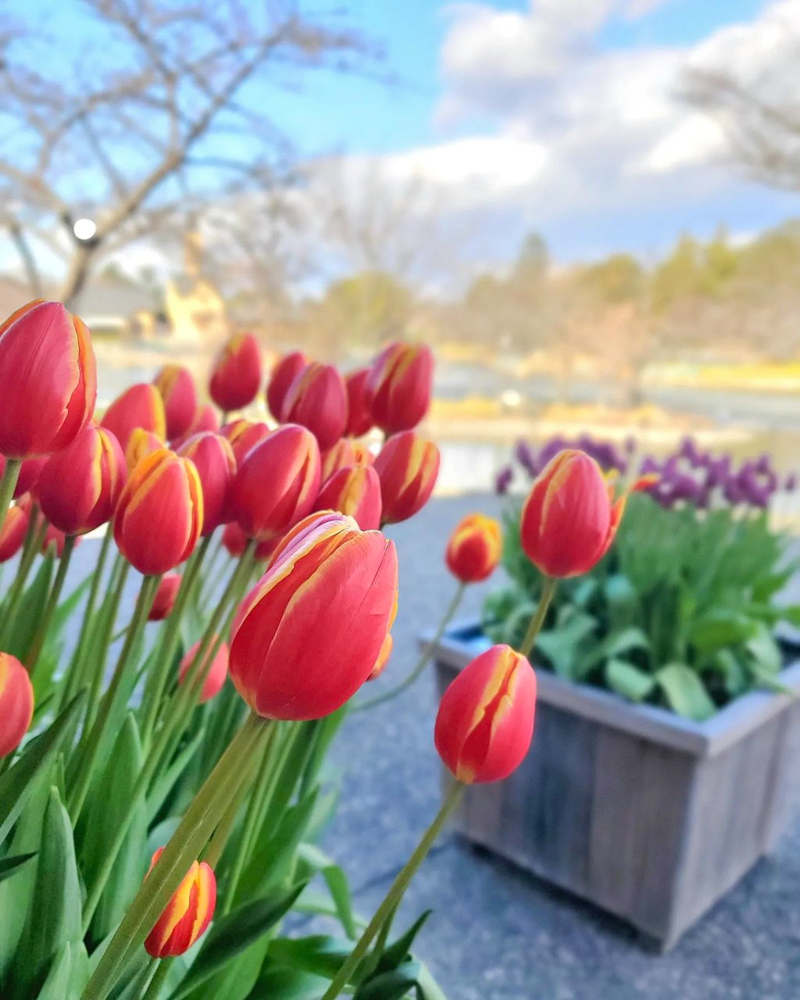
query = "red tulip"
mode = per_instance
[
  {"x": 205, "y": 419},
  {"x": 216, "y": 467},
  {"x": 317, "y": 399},
  {"x": 407, "y": 467},
  {"x": 214, "y": 674},
  {"x": 359, "y": 403},
  {"x": 48, "y": 381},
  {"x": 243, "y": 435},
  {"x": 80, "y": 485},
  {"x": 234, "y": 539},
  {"x": 236, "y": 375},
  {"x": 166, "y": 594},
  {"x": 485, "y": 720},
  {"x": 475, "y": 548},
  {"x": 283, "y": 374},
  {"x": 16, "y": 703},
  {"x": 383, "y": 658},
  {"x": 344, "y": 454},
  {"x": 139, "y": 406},
  {"x": 179, "y": 393},
  {"x": 400, "y": 386},
  {"x": 570, "y": 518},
  {"x": 355, "y": 491},
  {"x": 12, "y": 532},
  {"x": 277, "y": 482},
  {"x": 327, "y": 579},
  {"x": 141, "y": 443},
  {"x": 159, "y": 516},
  {"x": 187, "y": 914}
]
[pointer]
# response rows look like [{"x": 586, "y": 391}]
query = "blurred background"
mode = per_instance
[{"x": 587, "y": 207}]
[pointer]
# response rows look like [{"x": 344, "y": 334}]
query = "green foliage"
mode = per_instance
[{"x": 680, "y": 613}]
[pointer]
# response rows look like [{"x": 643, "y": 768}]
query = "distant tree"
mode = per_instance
[
  {"x": 679, "y": 276},
  {"x": 617, "y": 279},
  {"x": 361, "y": 311},
  {"x": 142, "y": 111}
]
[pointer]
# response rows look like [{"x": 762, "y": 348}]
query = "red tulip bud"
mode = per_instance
[
  {"x": 216, "y": 467},
  {"x": 234, "y": 539},
  {"x": 214, "y": 674},
  {"x": 48, "y": 381},
  {"x": 141, "y": 443},
  {"x": 317, "y": 399},
  {"x": 139, "y": 406},
  {"x": 29, "y": 473},
  {"x": 166, "y": 594},
  {"x": 407, "y": 467},
  {"x": 243, "y": 435},
  {"x": 179, "y": 393},
  {"x": 80, "y": 485},
  {"x": 569, "y": 519},
  {"x": 283, "y": 374},
  {"x": 16, "y": 703},
  {"x": 277, "y": 482},
  {"x": 359, "y": 402},
  {"x": 400, "y": 386},
  {"x": 159, "y": 516},
  {"x": 485, "y": 720},
  {"x": 355, "y": 491},
  {"x": 12, "y": 532},
  {"x": 187, "y": 914},
  {"x": 327, "y": 578},
  {"x": 475, "y": 548},
  {"x": 205, "y": 419},
  {"x": 236, "y": 375},
  {"x": 342, "y": 455}
]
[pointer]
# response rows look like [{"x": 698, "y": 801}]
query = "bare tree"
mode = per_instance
[
  {"x": 759, "y": 112},
  {"x": 161, "y": 108}
]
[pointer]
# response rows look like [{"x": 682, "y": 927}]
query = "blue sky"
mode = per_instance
[{"x": 559, "y": 116}]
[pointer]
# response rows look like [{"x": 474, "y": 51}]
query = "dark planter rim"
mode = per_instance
[{"x": 658, "y": 725}]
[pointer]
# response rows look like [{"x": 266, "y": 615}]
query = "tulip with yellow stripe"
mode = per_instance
[
  {"x": 485, "y": 720},
  {"x": 236, "y": 375},
  {"x": 188, "y": 913},
  {"x": 277, "y": 483},
  {"x": 179, "y": 393},
  {"x": 216, "y": 466},
  {"x": 317, "y": 399},
  {"x": 343, "y": 454},
  {"x": 139, "y": 406},
  {"x": 474, "y": 548},
  {"x": 243, "y": 435},
  {"x": 16, "y": 703},
  {"x": 407, "y": 467},
  {"x": 355, "y": 491},
  {"x": 48, "y": 380},
  {"x": 159, "y": 516},
  {"x": 284, "y": 372},
  {"x": 140, "y": 444},
  {"x": 327, "y": 579},
  {"x": 400, "y": 386}
]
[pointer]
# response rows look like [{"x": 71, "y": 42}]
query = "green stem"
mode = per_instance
[
  {"x": 92, "y": 744},
  {"x": 76, "y": 675},
  {"x": 185, "y": 845},
  {"x": 50, "y": 608},
  {"x": 424, "y": 659},
  {"x": 155, "y": 984},
  {"x": 108, "y": 616},
  {"x": 157, "y": 681},
  {"x": 548, "y": 589},
  {"x": 34, "y": 536},
  {"x": 7, "y": 486},
  {"x": 253, "y": 815},
  {"x": 395, "y": 894}
]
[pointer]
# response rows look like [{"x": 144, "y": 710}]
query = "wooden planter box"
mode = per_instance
[{"x": 648, "y": 815}]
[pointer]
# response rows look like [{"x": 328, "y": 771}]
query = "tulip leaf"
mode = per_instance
[
  {"x": 427, "y": 987},
  {"x": 284, "y": 982},
  {"x": 721, "y": 628},
  {"x": 233, "y": 934},
  {"x": 684, "y": 692},
  {"x": 166, "y": 782},
  {"x": 627, "y": 680},
  {"x": 400, "y": 949},
  {"x": 10, "y": 866},
  {"x": 68, "y": 974},
  {"x": 319, "y": 954},
  {"x": 390, "y": 985},
  {"x": 18, "y": 639},
  {"x": 54, "y": 914},
  {"x": 337, "y": 883},
  {"x": 18, "y": 783}
]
